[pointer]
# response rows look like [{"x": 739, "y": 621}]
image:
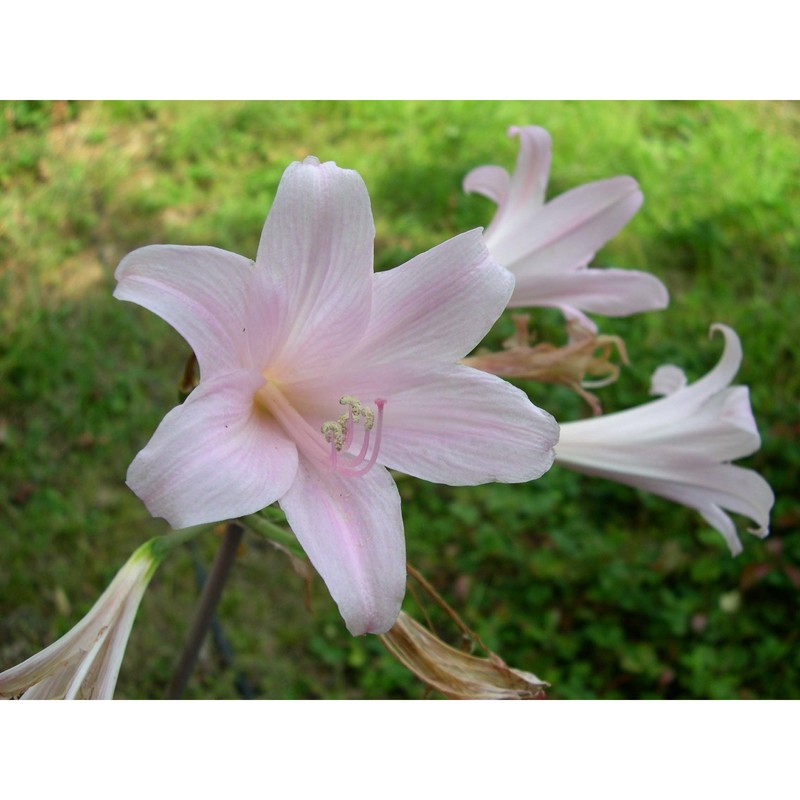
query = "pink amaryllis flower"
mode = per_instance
[
  {"x": 549, "y": 245},
  {"x": 317, "y": 375},
  {"x": 85, "y": 662},
  {"x": 680, "y": 445}
]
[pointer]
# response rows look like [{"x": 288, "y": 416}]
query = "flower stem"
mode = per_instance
[
  {"x": 160, "y": 546},
  {"x": 270, "y": 530},
  {"x": 209, "y": 599}
]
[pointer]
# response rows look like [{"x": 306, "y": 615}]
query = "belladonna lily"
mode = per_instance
[
  {"x": 549, "y": 245},
  {"x": 680, "y": 445},
  {"x": 317, "y": 374},
  {"x": 84, "y": 663}
]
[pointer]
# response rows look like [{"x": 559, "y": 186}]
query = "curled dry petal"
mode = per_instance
[
  {"x": 457, "y": 675},
  {"x": 585, "y": 362}
]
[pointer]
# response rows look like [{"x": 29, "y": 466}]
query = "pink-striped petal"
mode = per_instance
[
  {"x": 532, "y": 171},
  {"x": 215, "y": 457},
  {"x": 613, "y": 292},
  {"x": 460, "y": 426},
  {"x": 202, "y": 292},
  {"x": 566, "y": 233},
  {"x": 489, "y": 181},
  {"x": 317, "y": 246},
  {"x": 352, "y": 530},
  {"x": 436, "y": 307},
  {"x": 709, "y": 491},
  {"x": 520, "y": 197}
]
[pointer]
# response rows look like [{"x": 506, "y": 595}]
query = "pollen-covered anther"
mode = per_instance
[
  {"x": 334, "y": 433},
  {"x": 354, "y": 407},
  {"x": 339, "y": 434},
  {"x": 369, "y": 418}
]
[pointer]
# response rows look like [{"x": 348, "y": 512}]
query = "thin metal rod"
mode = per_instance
[{"x": 204, "y": 613}]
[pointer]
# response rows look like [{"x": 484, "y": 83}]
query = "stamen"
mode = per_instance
[
  {"x": 349, "y": 469},
  {"x": 362, "y": 453},
  {"x": 333, "y": 433},
  {"x": 333, "y": 456},
  {"x": 353, "y": 404},
  {"x": 339, "y": 434},
  {"x": 348, "y": 421}
]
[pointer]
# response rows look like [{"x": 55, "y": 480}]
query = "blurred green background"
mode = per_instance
[{"x": 601, "y": 590}]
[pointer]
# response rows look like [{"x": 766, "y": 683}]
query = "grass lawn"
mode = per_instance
[{"x": 603, "y": 591}]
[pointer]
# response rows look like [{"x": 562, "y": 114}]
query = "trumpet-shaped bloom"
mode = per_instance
[
  {"x": 84, "y": 663},
  {"x": 317, "y": 374},
  {"x": 549, "y": 245},
  {"x": 680, "y": 445}
]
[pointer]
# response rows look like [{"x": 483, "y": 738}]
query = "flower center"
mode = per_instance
[{"x": 340, "y": 433}]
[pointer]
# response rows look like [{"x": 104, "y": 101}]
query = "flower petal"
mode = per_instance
[
  {"x": 215, "y": 457},
  {"x": 83, "y": 650},
  {"x": 489, "y": 181},
  {"x": 612, "y": 292},
  {"x": 678, "y": 446},
  {"x": 707, "y": 488},
  {"x": 317, "y": 245},
  {"x": 638, "y": 423},
  {"x": 685, "y": 402},
  {"x": 723, "y": 373},
  {"x": 565, "y": 234},
  {"x": 667, "y": 379},
  {"x": 708, "y": 491},
  {"x": 352, "y": 530},
  {"x": 521, "y": 194},
  {"x": 56, "y": 664},
  {"x": 720, "y": 430},
  {"x": 104, "y": 681},
  {"x": 201, "y": 291},
  {"x": 436, "y": 307},
  {"x": 460, "y": 426},
  {"x": 522, "y": 199},
  {"x": 532, "y": 170},
  {"x": 721, "y": 522}
]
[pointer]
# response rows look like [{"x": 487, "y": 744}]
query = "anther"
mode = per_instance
[
  {"x": 333, "y": 433},
  {"x": 355, "y": 406},
  {"x": 369, "y": 418}
]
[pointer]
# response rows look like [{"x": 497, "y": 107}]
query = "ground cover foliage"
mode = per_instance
[{"x": 601, "y": 590}]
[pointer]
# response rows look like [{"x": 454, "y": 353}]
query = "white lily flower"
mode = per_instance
[
  {"x": 318, "y": 376},
  {"x": 85, "y": 662},
  {"x": 681, "y": 445},
  {"x": 548, "y": 245}
]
